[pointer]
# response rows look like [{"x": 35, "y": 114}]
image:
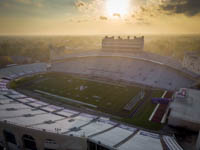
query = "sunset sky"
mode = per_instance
[{"x": 73, "y": 17}]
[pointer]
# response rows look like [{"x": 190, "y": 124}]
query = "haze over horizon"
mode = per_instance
[{"x": 89, "y": 17}]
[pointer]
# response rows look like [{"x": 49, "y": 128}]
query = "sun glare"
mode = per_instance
[{"x": 117, "y": 7}]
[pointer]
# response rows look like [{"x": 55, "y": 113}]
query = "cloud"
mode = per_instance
[
  {"x": 91, "y": 10},
  {"x": 103, "y": 18},
  {"x": 116, "y": 15},
  {"x": 81, "y": 21},
  {"x": 30, "y": 2},
  {"x": 133, "y": 16},
  {"x": 80, "y": 4},
  {"x": 187, "y": 7},
  {"x": 24, "y": 1},
  {"x": 153, "y": 8},
  {"x": 140, "y": 19},
  {"x": 143, "y": 23},
  {"x": 141, "y": 11}
]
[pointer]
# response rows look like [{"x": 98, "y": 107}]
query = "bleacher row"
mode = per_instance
[
  {"x": 125, "y": 69},
  {"x": 166, "y": 61},
  {"x": 27, "y": 112},
  {"x": 21, "y": 70},
  {"x": 130, "y": 105}
]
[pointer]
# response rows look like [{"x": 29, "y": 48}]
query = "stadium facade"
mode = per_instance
[{"x": 125, "y": 45}]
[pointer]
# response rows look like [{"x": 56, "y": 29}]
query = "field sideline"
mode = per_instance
[{"x": 109, "y": 98}]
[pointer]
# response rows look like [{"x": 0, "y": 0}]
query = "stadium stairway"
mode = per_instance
[{"x": 160, "y": 112}]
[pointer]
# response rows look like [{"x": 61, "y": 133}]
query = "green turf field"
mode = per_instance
[
  {"x": 108, "y": 97},
  {"x": 141, "y": 117}
]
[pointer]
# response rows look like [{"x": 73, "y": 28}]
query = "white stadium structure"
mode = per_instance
[
  {"x": 30, "y": 124},
  {"x": 27, "y": 123},
  {"x": 142, "y": 68}
]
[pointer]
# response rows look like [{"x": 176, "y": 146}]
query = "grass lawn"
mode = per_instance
[
  {"x": 141, "y": 118},
  {"x": 107, "y": 97}
]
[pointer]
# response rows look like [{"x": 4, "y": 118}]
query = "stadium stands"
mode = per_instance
[
  {"x": 125, "y": 69},
  {"x": 150, "y": 57},
  {"x": 27, "y": 123},
  {"x": 21, "y": 70}
]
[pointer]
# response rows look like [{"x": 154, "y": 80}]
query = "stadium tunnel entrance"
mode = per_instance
[
  {"x": 93, "y": 146},
  {"x": 29, "y": 142},
  {"x": 10, "y": 140}
]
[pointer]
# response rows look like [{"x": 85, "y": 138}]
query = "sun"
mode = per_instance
[{"x": 117, "y": 7}]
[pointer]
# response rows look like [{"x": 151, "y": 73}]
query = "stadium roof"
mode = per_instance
[{"x": 186, "y": 107}]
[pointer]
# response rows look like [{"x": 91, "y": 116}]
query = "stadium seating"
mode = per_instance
[
  {"x": 115, "y": 68},
  {"x": 125, "y": 69},
  {"x": 21, "y": 70}
]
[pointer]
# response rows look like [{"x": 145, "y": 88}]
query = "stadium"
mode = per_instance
[{"x": 96, "y": 100}]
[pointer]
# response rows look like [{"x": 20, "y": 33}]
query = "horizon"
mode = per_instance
[{"x": 115, "y": 35}]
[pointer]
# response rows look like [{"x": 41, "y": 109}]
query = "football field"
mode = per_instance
[{"x": 107, "y": 97}]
